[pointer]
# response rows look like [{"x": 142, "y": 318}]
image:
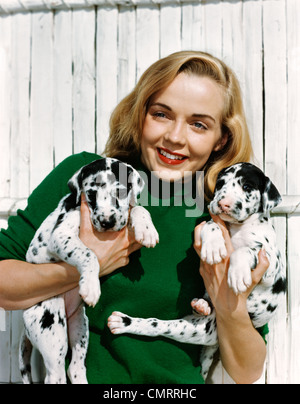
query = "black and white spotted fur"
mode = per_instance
[
  {"x": 243, "y": 198},
  {"x": 111, "y": 189}
]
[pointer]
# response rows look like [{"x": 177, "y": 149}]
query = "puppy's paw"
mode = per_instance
[
  {"x": 201, "y": 306},
  {"x": 146, "y": 234},
  {"x": 118, "y": 323},
  {"x": 213, "y": 249},
  {"x": 144, "y": 229},
  {"x": 239, "y": 278},
  {"x": 89, "y": 290},
  {"x": 214, "y": 252}
]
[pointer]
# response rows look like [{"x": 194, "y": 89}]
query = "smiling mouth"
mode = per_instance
[{"x": 169, "y": 157}]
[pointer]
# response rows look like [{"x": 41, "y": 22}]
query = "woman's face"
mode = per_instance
[{"x": 182, "y": 127}]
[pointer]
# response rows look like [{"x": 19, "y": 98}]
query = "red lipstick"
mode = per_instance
[{"x": 169, "y": 157}]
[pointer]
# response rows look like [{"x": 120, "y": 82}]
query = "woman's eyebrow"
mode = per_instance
[
  {"x": 200, "y": 116},
  {"x": 158, "y": 104}
]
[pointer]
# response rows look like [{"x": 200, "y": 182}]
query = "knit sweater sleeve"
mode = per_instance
[{"x": 14, "y": 241}]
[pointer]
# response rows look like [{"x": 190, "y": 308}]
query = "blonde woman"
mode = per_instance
[{"x": 185, "y": 115}]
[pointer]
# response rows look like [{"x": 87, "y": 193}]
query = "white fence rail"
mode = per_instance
[
  {"x": 13, "y": 6},
  {"x": 65, "y": 64}
]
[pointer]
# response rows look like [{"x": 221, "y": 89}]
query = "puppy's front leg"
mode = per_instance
[
  {"x": 213, "y": 248},
  {"x": 191, "y": 329},
  {"x": 242, "y": 261},
  {"x": 141, "y": 222},
  {"x": 66, "y": 245},
  {"x": 78, "y": 331}
]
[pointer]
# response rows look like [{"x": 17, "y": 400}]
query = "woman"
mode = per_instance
[{"x": 184, "y": 115}]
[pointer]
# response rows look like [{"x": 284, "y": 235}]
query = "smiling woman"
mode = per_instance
[
  {"x": 184, "y": 115},
  {"x": 207, "y": 104},
  {"x": 183, "y": 127}
]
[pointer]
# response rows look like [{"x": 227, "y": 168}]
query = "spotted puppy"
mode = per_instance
[
  {"x": 111, "y": 189},
  {"x": 243, "y": 198}
]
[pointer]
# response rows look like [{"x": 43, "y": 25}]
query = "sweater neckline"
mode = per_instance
[{"x": 180, "y": 195}]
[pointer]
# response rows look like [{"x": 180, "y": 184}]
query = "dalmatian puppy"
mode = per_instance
[
  {"x": 243, "y": 198},
  {"x": 111, "y": 189}
]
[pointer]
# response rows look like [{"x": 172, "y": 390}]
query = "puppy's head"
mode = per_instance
[
  {"x": 241, "y": 191},
  {"x": 110, "y": 187}
]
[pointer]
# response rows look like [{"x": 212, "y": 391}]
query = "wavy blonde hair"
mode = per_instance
[{"x": 127, "y": 120}]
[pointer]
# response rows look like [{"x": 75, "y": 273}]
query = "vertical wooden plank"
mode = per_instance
[
  {"x": 107, "y": 73},
  {"x": 6, "y": 85},
  {"x": 277, "y": 347},
  {"x": 17, "y": 326},
  {"x": 212, "y": 27},
  {"x": 147, "y": 37},
  {"x": 84, "y": 79},
  {"x": 253, "y": 70},
  {"x": 20, "y": 127},
  {"x": 5, "y": 150},
  {"x": 275, "y": 73},
  {"x": 62, "y": 87},
  {"x": 5, "y": 103},
  {"x": 3, "y": 325},
  {"x": 5, "y": 351},
  {"x": 293, "y": 325},
  {"x": 126, "y": 51},
  {"x": 233, "y": 37},
  {"x": 293, "y": 124},
  {"x": 293, "y": 88},
  {"x": 191, "y": 32},
  {"x": 170, "y": 29},
  {"x": 274, "y": 31},
  {"x": 41, "y": 123}
]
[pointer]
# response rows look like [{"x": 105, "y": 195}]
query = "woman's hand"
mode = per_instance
[
  {"x": 223, "y": 298},
  {"x": 111, "y": 248}
]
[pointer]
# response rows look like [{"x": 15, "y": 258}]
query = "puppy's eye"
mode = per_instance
[
  {"x": 220, "y": 183},
  {"x": 247, "y": 187}
]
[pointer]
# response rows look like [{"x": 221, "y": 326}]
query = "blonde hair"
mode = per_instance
[{"x": 127, "y": 120}]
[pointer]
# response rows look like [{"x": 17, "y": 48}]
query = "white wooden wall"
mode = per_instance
[{"x": 65, "y": 64}]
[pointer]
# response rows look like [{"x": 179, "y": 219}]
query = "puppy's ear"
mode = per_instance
[
  {"x": 270, "y": 197},
  {"x": 137, "y": 183},
  {"x": 75, "y": 185}
]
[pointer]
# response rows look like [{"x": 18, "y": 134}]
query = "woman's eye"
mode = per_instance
[
  {"x": 159, "y": 115},
  {"x": 200, "y": 125}
]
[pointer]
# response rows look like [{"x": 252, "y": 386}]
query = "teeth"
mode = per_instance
[{"x": 170, "y": 156}]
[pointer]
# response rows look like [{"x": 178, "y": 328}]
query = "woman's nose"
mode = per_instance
[{"x": 176, "y": 133}]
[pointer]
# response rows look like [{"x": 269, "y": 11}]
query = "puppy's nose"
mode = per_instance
[
  {"x": 108, "y": 223},
  {"x": 225, "y": 204}
]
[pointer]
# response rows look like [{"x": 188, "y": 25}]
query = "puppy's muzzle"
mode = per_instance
[
  {"x": 108, "y": 223},
  {"x": 225, "y": 205}
]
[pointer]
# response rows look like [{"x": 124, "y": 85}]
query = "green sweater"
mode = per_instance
[{"x": 159, "y": 282}]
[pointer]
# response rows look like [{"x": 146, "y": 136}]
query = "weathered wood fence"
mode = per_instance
[{"x": 64, "y": 64}]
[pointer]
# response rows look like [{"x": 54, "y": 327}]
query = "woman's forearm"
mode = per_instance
[
  {"x": 242, "y": 349},
  {"x": 23, "y": 284}
]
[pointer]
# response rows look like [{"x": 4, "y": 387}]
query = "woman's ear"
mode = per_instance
[{"x": 221, "y": 142}]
